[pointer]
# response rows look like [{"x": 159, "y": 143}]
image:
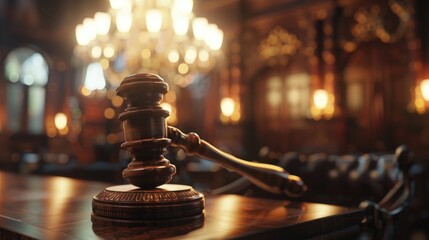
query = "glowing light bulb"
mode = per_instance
[
  {"x": 190, "y": 55},
  {"x": 320, "y": 99},
  {"x": 81, "y": 36},
  {"x": 227, "y": 106},
  {"x": 153, "y": 20},
  {"x": 199, "y": 28},
  {"x": 124, "y": 20},
  {"x": 60, "y": 121},
  {"x": 424, "y": 86},
  {"x": 90, "y": 28},
  {"x": 102, "y": 23},
  {"x": 173, "y": 56},
  {"x": 180, "y": 23}
]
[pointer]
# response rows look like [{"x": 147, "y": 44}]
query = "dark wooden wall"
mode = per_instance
[{"x": 387, "y": 71}]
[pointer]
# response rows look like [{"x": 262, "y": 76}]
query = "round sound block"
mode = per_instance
[{"x": 166, "y": 205}]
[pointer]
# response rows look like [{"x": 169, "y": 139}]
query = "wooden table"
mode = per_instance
[{"x": 33, "y": 207}]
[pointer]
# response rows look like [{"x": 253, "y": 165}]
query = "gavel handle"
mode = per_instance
[{"x": 268, "y": 177}]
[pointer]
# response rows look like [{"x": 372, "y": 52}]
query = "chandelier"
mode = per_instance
[{"x": 160, "y": 36}]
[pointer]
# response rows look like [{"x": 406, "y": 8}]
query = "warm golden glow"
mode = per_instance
[
  {"x": 81, "y": 36},
  {"x": 124, "y": 21},
  {"x": 166, "y": 106},
  {"x": 274, "y": 91},
  {"x": 117, "y": 101},
  {"x": 63, "y": 131},
  {"x": 315, "y": 113},
  {"x": 183, "y": 6},
  {"x": 279, "y": 46},
  {"x": 151, "y": 36},
  {"x": 102, "y": 23},
  {"x": 94, "y": 77},
  {"x": 61, "y": 189},
  {"x": 104, "y": 64},
  {"x": 183, "y": 68},
  {"x": 85, "y": 91},
  {"x": 369, "y": 25},
  {"x": 424, "y": 87},
  {"x": 236, "y": 116},
  {"x": 199, "y": 28},
  {"x": 180, "y": 23},
  {"x": 320, "y": 99},
  {"x": 118, "y": 4},
  {"x": 322, "y": 210},
  {"x": 109, "y": 113},
  {"x": 203, "y": 55},
  {"x": 420, "y": 105},
  {"x": 172, "y": 118},
  {"x": 233, "y": 206},
  {"x": 96, "y": 52},
  {"x": 214, "y": 37},
  {"x": 329, "y": 111},
  {"x": 227, "y": 106},
  {"x": 349, "y": 46},
  {"x": 60, "y": 120},
  {"x": 146, "y": 53},
  {"x": 111, "y": 93},
  {"x": 190, "y": 55},
  {"x": 51, "y": 132},
  {"x": 90, "y": 28},
  {"x": 153, "y": 20},
  {"x": 173, "y": 56},
  {"x": 323, "y": 105},
  {"x": 109, "y": 51},
  {"x": 170, "y": 96}
]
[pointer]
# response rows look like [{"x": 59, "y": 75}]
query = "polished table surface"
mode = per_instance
[{"x": 33, "y": 207}]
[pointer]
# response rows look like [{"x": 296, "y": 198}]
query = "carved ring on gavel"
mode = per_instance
[{"x": 147, "y": 136}]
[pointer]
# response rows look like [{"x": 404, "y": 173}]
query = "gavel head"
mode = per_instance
[{"x": 145, "y": 130}]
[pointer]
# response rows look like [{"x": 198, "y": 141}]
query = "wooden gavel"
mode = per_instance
[{"x": 147, "y": 136}]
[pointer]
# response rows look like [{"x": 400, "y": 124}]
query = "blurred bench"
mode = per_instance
[{"x": 380, "y": 183}]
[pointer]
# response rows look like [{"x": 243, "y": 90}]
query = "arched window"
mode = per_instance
[{"x": 27, "y": 73}]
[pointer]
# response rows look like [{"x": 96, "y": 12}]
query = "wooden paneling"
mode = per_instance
[{"x": 382, "y": 121}]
